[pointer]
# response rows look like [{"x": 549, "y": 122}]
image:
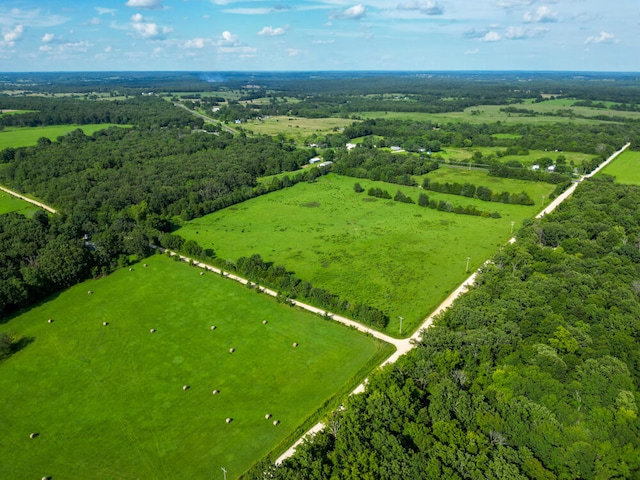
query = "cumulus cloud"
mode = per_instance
[
  {"x": 48, "y": 37},
  {"x": 148, "y": 30},
  {"x": 11, "y": 36},
  {"x": 148, "y": 4},
  {"x": 491, "y": 36},
  {"x": 273, "y": 32},
  {"x": 351, "y": 13},
  {"x": 427, "y": 7},
  {"x": 520, "y": 33},
  {"x": 475, "y": 51},
  {"x": 602, "y": 37},
  {"x": 196, "y": 43},
  {"x": 542, "y": 14},
  {"x": 229, "y": 37}
]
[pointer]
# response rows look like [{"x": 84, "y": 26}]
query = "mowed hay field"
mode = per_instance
[
  {"x": 401, "y": 258},
  {"x": 626, "y": 168},
  {"x": 108, "y": 401},
  {"x": 16, "y": 137},
  {"x": 9, "y": 203}
]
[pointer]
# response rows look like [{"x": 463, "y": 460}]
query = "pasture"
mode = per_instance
[
  {"x": 626, "y": 168},
  {"x": 9, "y": 203},
  {"x": 107, "y": 400},
  {"x": 297, "y": 128},
  {"x": 15, "y": 137},
  {"x": 491, "y": 113},
  {"x": 401, "y": 258}
]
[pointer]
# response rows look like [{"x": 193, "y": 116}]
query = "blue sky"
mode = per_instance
[{"x": 219, "y": 35}]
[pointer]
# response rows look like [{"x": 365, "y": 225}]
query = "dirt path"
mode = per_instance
[
  {"x": 35, "y": 202},
  {"x": 403, "y": 346}
]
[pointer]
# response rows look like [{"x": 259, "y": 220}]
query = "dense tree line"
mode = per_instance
[
  {"x": 534, "y": 373},
  {"x": 140, "y": 110},
  {"x": 119, "y": 189},
  {"x": 480, "y": 192}
]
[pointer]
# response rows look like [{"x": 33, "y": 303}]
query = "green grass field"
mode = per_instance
[
  {"x": 295, "y": 127},
  {"x": 626, "y": 168},
  {"x": 9, "y": 203},
  {"x": 26, "y": 136},
  {"x": 108, "y": 401},
  {"x": 492, "y": 113},
  {"x": 465, "y": 154},
  {"x": 401, "y": 258}
]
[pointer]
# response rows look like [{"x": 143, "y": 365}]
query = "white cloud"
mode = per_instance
[
  {"x": 351, "y": 13},
  {"x": 11, "y": 36},
  {"x": 542, "y": 15},
  {"x": 273, "y": 32},
  {"x": 150, "y": 4},
  {"x": 196, "y": 43},
  {"x": 229, "y": 37},
  {"x": 148, "y": 30},
  {"x": 108, "y": 49},
  {"x": 66, "y": 48},
  {"x": 491, "y": 36},
  {"x": 323, "y": 42},
  {"x": 475, "y": 51},
  {"x": 48, "y": 37},
  {"x": 427, "y": 7},
  {"x": 95, "y": 21},
  {"x": 292, "y": 52},
  {"x": 519, "y": 33},
  {"x": 514, "y": 3},
  {"x": 105, "y": 11},
  {"x": 602, "y": 37}
]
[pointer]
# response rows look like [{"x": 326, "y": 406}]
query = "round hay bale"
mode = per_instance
[
  {"x": 295, "y": 344},
  {"x": 89, "y": 292},
  {"x": 50, "y": 320},
  {"x": 264, "y": 322},
  {"x": 213, "y": 327},
  {"x": 105, "y": 323},
  {"x": 46, "y": 478},
  {"x": 267, "y": 416},
  {"x": 216, "y": 392},
  {"x": 131, "y": 269},
  {"x": 276, "y": 422},
  {"x": 229, "y": 420},
  {"x": 146, "y": 265},
  {"x": 34, "y": 435},
  {"x": 201, "y": 273},
  {"x": 231, "y": 350},
  {"x": 153, "y": 330},
  {"x": 185, "y": 387}
]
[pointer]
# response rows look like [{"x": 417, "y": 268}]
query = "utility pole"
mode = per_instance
[{"x": 468, "y": 258}]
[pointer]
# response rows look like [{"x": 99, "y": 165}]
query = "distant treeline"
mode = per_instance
[{"x": 139, "y": 110}]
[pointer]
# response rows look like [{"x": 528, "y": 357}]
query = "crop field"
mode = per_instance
[
  {"x": 9, "y": 203},
  {"x": 107, "y": 401},
  {"x": 296, "y": 127},
  {"x": 26, "y": 136},
  {"x": 626, "y": 168},
  {"x": 401, "y": 258}
]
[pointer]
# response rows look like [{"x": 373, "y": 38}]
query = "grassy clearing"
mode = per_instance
[
  {"x": 108, "y": 401},
  {"x": 9, "y": 203},
  {"x": 480, "y": 177},
  {"x": 626, "y": 168},
  {"x": 401, "y": 258},
  {"x": 492, "y": 114},
  {"x": 299, "y": 129},
  {"x": 465, "y": 154},
  {"x": 27, "y": 136}
]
